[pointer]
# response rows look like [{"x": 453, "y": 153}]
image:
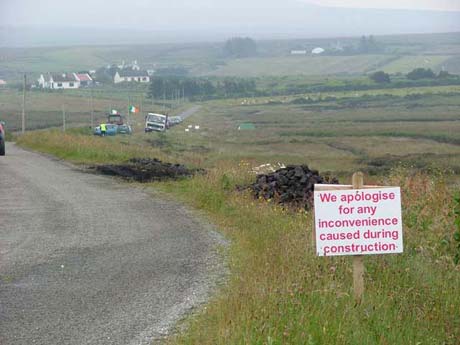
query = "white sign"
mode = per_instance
[{"x": 358, "y": 221}]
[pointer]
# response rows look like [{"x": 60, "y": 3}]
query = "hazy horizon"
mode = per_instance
[{"x": 52, "y": 22}]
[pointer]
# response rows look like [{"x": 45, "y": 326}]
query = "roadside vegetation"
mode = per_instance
[
  {"x": 279, "y": 292},
  {"x": 399, "y": 129}
]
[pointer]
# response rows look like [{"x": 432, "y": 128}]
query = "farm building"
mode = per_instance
[
  {"x": 131, "y": 75},
  {"x": 59, "y": 81},
  {"x": 318, "y": 51}
]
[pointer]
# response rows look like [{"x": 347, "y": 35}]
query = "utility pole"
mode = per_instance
[
  {"x": 141, "y": 108},
  {"x": 23, "y": 118},
  {"x": 63, "y": 118},
  {"x": 92, "y": 109},
  {"x": 129, "y": 112}
]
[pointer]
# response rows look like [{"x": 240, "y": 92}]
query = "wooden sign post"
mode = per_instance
[
  {"x": 358, "y": 262},
  {"x": 357, "y": 220}
]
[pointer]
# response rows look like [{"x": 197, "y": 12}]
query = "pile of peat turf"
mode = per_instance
[
  {"x": 290, "y": 186},
  {"x": 146, "y": 170}
]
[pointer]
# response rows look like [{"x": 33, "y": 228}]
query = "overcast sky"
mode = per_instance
[
  {"x": 440, "y": 5},
  {"x": 217, "y": 19},
  {"x": 128, "y": 12}
]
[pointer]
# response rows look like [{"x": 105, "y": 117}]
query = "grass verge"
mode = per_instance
[
  {"x": 78, "y": 147},
  {"x": 279, "y": 292}
]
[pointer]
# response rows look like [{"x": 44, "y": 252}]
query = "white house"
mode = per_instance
[
  {"x": 298, "y": 52},
  {"x": 59, "y": 81},
  {"x": 131, "y": 75}
]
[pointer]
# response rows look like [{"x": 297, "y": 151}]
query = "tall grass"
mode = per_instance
[
  {"x": 80, "y": 147},
  {"x": 279, "y": 292}
]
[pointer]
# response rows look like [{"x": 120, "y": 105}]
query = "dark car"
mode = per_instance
[
  {"x": 2, "y": 138},
  {"x": 124, "y": 129}
]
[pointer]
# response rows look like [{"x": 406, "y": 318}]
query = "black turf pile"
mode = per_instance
[
  {"x": 146, "y": 170},
  {"x": 292, "y": 185}
]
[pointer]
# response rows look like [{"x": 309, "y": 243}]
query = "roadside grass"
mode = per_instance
[
  {"x": 280, "y": 293},
  {"x": 79, "y": 147}
]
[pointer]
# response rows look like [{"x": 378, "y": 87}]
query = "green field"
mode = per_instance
[
  {"x": 406, "y": 64},
  {"x": 45, "y": 109},
  {"x": 400, "y": 54}
]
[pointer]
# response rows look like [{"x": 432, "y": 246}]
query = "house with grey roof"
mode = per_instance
[{"x": 131, "y": 75}]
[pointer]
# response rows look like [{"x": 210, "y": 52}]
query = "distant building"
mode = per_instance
[
  {"x": 2, "y": 83},
  {"x": 298, "y": 52},
  {"x": 59, "y": 81},
  {"x": 131, "y": 75},
  {"x": 133, "y": 65},
  {"x": 85, "y": 79},
  {"x": 317, "y": 51}
]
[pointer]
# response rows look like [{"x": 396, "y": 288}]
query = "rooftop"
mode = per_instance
[
  {"x": 64, "y": 77},
  {"x": 132, "y": 73}
]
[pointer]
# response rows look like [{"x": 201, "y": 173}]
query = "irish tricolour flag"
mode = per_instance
[{"x": 133, "y": 109}]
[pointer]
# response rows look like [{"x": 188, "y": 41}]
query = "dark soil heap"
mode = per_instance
[
  {"x": 146, "y": 170},
  {"x": 292, "y": 185}
]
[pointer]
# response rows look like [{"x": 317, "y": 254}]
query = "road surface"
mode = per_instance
[
  {"x": 190, "y": 112},
  {"x": 85, "y": 259}
]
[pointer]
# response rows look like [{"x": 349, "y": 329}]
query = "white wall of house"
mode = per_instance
[
  {"x": 298, "y": 52},
  {"x": 65, "y": 85},
  {"x": 118, "y": 79},
  {"x": 42, "y": 82},
  {"x": 47, "y": 82}
]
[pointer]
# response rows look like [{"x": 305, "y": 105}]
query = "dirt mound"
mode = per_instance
[
  {"x": 292, "y": 185},
  {"x": 146, "y": 170}
]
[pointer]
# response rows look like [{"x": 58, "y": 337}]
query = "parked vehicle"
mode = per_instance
[
  {"x": 156, "y": 122},
  {"x": 174, "y": 120},
  {"x": 124, "y": 129},
  {"x": 2, "y": 138},
  {"x": 111, "y": 129},
  {"x": 115, "y": 118}
]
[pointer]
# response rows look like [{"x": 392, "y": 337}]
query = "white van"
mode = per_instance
[{"x": 156, "y": 122}]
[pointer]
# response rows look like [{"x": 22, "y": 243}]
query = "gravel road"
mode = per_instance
[
  {"x": 190, "y": 112},
  {"x": 85, "y": 259}
]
